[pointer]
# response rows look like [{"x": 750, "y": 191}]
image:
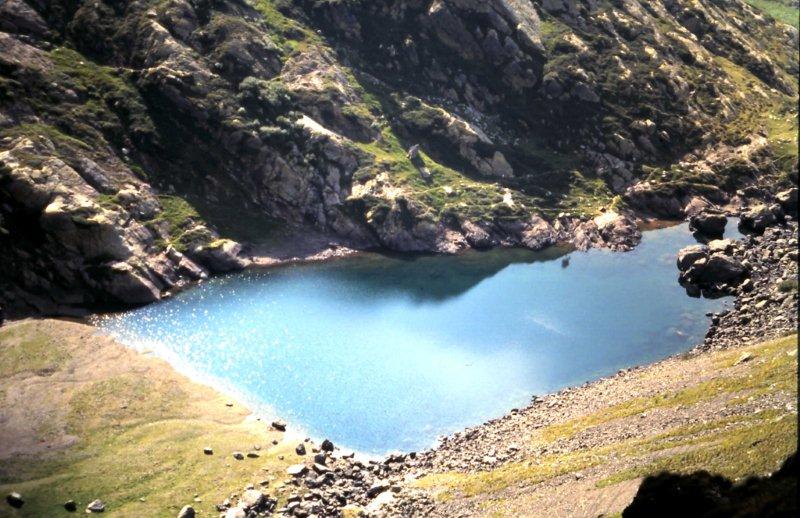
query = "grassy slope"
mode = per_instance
[
  {"x": 735, "y": 442},
  {"x": 140, "y": 429},
  {"x": 781, "y": 10}
]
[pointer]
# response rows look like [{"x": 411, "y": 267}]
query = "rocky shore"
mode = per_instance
[
  {"x": 760, "y": 271},
  {"x": 329, "y": 484}
]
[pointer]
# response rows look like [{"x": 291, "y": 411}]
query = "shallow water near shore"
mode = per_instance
[{"x": 388, "y": 353}]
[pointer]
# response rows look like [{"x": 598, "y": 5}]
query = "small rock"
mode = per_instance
[
  {"x": 70, "y": 506},
  {"x": 186, "y": 512},
  {"x": 301, "y": 449},
  {"x": 238, "y": 455},
  {"x": 96, "y": 506},
  {"x": 15, "y": 500},
  {"x": 251, "y": 498},
  {"x": 744, "y": 358},
  {"x": 279, "y": 425},
  {"x": 253, "y": 454},
  {"x": 327, "y": 445},
  {"x": 377, "y": 488},
  {"x": 208, "y": 451},
  {"x": 235, "y": 512},
  {"x": 297, "y": 470}
]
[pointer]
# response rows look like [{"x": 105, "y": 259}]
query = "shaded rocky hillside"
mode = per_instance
[{"x": 139, "y": 139}]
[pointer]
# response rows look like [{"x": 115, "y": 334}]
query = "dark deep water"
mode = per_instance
[{"x": 381, "y": 354}]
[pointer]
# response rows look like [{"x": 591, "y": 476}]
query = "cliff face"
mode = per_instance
[{"x": 136, "y": 136}]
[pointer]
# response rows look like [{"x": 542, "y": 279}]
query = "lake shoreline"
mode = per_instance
[{"x": 394, "y": 470}]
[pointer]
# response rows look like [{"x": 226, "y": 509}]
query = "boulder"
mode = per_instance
[
  {"x": 757, "y": 219},
  {"x": 251, "y": 498},
  {"x": 297, "y": 470},
  {"x": 235, "y": 512},
  {"x": 15, "y": 500},
  {"x": 708, "y": 223},
  {"x": 690, "y": 255},
  {"x": 713, "y": 272},
  {"x": 788, "y": 201},
  {"x": 221, "y": 256},
  {"x": 724, "y": 246}
]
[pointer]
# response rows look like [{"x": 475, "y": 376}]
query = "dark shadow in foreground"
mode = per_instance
[{"x": 701, "y": 494}]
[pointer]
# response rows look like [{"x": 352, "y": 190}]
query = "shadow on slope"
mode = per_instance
[{"x": 702, "y": 494}]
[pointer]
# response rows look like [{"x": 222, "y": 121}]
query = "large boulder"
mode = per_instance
[
  {"x": 711, "y": 272},
  {"x": 709, "y": 224}
]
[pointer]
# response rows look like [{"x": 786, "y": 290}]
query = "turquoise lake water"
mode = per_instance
[{"x": 387, "y": 353}]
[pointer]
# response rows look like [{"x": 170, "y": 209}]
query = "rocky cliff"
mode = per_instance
[{"x": 139, "y": 140}]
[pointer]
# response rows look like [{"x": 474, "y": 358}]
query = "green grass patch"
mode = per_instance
[
  {"x": 140, "y": 431},
  {"x": 782, "y": 10},
  {"x": 23, "y": 349}
]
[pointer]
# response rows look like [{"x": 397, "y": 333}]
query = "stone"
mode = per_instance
[
  {"x": 690, "y": 255},
  {"x": 235, "y": 512},
  {"x": 238, "y": 455},
  {"x": 15, "y": 500},
  {"x": 251, "y": 498},
  {"x": 221, "y": 256},
  {"x": 377, "y": 488},
  {"x": 327, "y": 445},
  {"x": 70, "y": 506},
  {"x": 744, "y": 358},
  {"x": 724, "y": 246},
  {"x": 253, "y": 454},
  {"x": 186, "y": 512},
  {"x": 708, "y": 223},
  {"x": 279, "y": 425},
  {"x": 300, "y": 449},
  {"x": 788, "y": 200},
  {"x": 757, "y": 219},
  {"x": 96, "y": 506},
  {"x": 297, "y": 470},
  {"x": 208, "y": 451}
]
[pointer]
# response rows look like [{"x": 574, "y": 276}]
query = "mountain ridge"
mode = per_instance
[{"x": 140, "y": 140}]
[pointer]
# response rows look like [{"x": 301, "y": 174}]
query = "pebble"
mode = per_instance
[
  {"x": 208, "y": 451},
  {"x": 96, "y": 506},
  {"x": 238, "y": 455},
  {"x": 70, "y": 506}
]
